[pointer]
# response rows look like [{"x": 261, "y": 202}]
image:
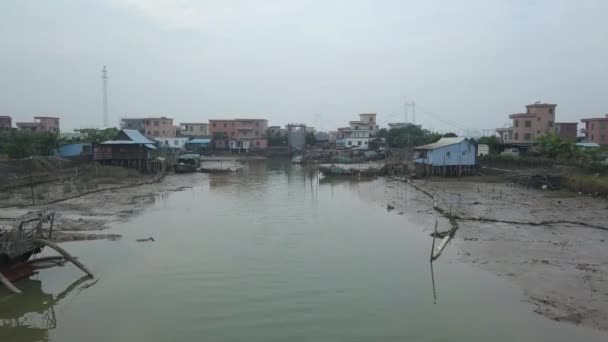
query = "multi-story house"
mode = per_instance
[
  {"x": 6, "y": 122},
  {"x": 41, "y": 124},
  {"x": 539, "y": 119},
  {"x": 596, "y": 130},
  {"x": 159, "y": 127},
  {"x": 194, "y": 129}
]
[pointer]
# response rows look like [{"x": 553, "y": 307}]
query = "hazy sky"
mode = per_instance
[{"x": 469, "y": 62}]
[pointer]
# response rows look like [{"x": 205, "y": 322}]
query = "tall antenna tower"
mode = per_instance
[{"x": 104, "y": 79}]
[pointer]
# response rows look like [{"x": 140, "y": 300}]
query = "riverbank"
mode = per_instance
[
  {"x": 552, "y": 244},
  {"x": 86, "y": 217}
]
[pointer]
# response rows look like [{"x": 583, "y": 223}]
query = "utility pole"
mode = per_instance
[
  {"x": 104, "y": 79},
  {"x": 405, "y": 108},
  {"x": 413, "y": 112}
]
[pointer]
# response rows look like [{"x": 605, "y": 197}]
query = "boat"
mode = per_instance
[
  {"x": 187, "y": 163},
  {"x": 18, "y": 243}
]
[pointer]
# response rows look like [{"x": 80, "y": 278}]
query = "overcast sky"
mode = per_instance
[{"x": 469, "y": 63}]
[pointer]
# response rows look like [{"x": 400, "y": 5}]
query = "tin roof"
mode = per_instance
[
  {"x": 441, "y": 143},
  {"x": 198, "y": 141},
  {"x": 136, "y": 136}
]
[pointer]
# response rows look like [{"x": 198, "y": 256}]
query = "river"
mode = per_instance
[{"x": 273, "y": 254}]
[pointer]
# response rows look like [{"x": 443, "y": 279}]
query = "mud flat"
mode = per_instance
[
  {"x": 554, "y": 245},
  {"x": 87, "y": 216}
]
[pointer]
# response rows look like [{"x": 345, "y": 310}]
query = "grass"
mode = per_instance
[{"x": 588, "y": 184}]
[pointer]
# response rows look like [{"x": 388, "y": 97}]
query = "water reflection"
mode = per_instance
[{"x": 31, "y": 316}]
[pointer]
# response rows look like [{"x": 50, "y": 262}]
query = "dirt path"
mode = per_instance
[
  {"x": 561, "y": 267},
  {"x": 85, "y": 217}
]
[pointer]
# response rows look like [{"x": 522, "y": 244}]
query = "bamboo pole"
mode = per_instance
[
  {"x": 7, "y": 283},
  {"x": 66, "y": 255}
]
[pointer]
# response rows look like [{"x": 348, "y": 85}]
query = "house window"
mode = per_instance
[
  {"x": 538, "y": 118},
  {"x": 175, "y": 142},
  {"x": 592, "y": 125},
  {"x": 447, "y": 154},
  {"x": 550, "y": 110},
  {"x": 528, "y": 123},
  {"x": 602, "y": 125},
  {"x": 516, "y": 124},
  {"x": 155, "y": 133},
  {"x": 366, "y": 143},
  {"x": 257, "y": 133},
  {"x": 257, "y": 143},
  {"x": 527, "y": 136},
  {"x": 464, "y": 153},
  {"x": 213, "y": 124},
  {"x": 350, "y": 143},
  {"x": 166, "y": 142},
  {"x": 359, "y": 142},
  {"x": 163, "y": 132},
  {"x": 537, "y": 132},
  {"x": 549, "y": 123},
  {"x": 225, "y": 125},
  {"x": 148, "y": 133},
  {"x": 163, "y": 122},
  {"x": 516, "y": 135},
  {"x": 155, "y": 123}
]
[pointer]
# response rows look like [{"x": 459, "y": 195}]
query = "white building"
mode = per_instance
[
  {"x": 358, "y": 134},
  {"x": 176, "y": 143}
]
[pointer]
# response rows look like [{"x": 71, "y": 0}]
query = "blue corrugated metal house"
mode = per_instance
[
  {"x": 447, "y": 157},
  {"x": 74, "y": 150}
]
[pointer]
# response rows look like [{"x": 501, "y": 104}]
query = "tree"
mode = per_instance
[
  {"x": 311, "y": 139},
  {"x": 410, "y": 136},
  {"x": 492, "y": 142},
  {"x": 276, "y": 139},
  {"x": 450, "y": 135},
  {"x": 553, "y": 146},
  {"x": 382, "y": 133}
]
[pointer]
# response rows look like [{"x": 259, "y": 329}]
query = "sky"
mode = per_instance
[{"x": 466, "y": 64}]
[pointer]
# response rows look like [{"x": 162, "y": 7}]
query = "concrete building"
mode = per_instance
[
  {"x": 159, "y": 127},
  {"x": 567, "y": 130},
  {"x": 276, "y": 131},
  {"x": 174, "y": 143},
  {"x": 239, "y": 134},
  {"x": 596, "y": 130},
  {"x": 194, "y": 129},
  {"x": 133, "y": 123},
  {"x": 6, "y": 122},
  {"x": 41, "y": 124},
  {"x": 250, "y": 134},
  {"x": 367, "y": 121},
  {"x": 538, "y": 120},
  {"x": 221, "y": 131},
  {"x": 357, "y": 135}
]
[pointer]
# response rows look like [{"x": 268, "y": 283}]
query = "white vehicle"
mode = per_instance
[{"x": 511, "y": 152}]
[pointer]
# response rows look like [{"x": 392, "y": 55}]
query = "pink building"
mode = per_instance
[
  {"x": 250, "y": 134},
  {"x": 6, "y": 122},
  {"x": 221, "y": 131},
  {"x": 159, "y": 127},
  {"x": 596, "y": 130},
  {"x": 538, "y": 119},
  {"x": 41, "y": 124}
]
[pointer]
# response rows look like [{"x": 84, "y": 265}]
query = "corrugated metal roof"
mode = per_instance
[
  {"x": 587, "y": 144},
  {"x": 136, "y": 136},
  {"x": 198, "y": 141},
  {"x": 441, "y": 143}
]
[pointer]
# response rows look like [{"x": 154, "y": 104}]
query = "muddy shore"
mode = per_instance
[
  {"x": 86, "y": 217},
  {"x": 561, "y": 267}
]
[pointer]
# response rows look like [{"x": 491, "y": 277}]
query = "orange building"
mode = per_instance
[{"x": 596, "y": 130}]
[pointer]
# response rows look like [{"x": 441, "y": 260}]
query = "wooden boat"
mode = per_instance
[
  {"x": 18, "y": 243},
  {"x": 187, "y": 163}
]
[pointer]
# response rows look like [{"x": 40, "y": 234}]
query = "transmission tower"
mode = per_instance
[{"x": 104, "y": 80}]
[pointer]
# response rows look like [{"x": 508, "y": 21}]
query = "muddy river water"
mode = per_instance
[{"x": 272, "y": 254}]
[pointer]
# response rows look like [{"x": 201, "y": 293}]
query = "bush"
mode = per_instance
[{"x": 588, "y": 184}]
